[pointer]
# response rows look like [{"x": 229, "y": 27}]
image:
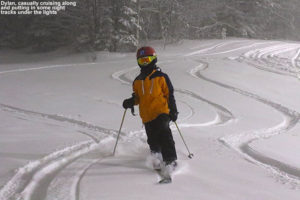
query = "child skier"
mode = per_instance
[{"x": 153, "y": 92}]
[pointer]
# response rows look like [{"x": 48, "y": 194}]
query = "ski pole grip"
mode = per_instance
[{"x": 132, "y": 111}]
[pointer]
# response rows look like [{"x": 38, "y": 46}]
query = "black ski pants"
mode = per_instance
[{"x": 160, "y": 137}]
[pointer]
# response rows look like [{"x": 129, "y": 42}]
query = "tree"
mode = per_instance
[
  {"x": 163, "y": 20},
  {"x": 121, "y": 25}
]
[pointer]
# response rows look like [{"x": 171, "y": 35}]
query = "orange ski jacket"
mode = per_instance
[{"x": 154, "y": 94}]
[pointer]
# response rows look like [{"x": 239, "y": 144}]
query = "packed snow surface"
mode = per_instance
[{"x": 239, "y": 111}]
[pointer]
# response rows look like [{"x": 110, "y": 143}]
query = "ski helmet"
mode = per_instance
[{"x": 145, "y": 51}]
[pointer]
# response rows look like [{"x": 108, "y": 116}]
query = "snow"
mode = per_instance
[{"x": 239, "y": 114}]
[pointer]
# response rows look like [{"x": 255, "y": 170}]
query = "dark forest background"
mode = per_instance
[{"x": 120, "y": 25}]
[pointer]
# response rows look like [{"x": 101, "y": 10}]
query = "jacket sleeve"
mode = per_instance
[
  {"x": 135, "y": 94},
  {"x": 170, "y": 94}
]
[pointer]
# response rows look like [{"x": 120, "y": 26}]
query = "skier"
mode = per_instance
[{"x": 153, "y": 92}]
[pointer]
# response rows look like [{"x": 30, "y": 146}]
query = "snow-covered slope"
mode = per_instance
[{"x": 239, "y": 107}]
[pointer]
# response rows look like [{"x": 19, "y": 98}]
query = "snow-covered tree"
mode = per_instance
[
  {"x": 120, "y": 25},
  {"x": 124, "y": 25},
  {"x": 163, "y": 20}
]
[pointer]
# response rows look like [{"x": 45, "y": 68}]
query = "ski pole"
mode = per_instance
[
  {"x": 119, "y": 132},
  {"x": 190, "y": 154}
]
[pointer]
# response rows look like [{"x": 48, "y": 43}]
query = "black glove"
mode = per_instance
[
  {"x": 173, "y": 115},
  {"x": 128, "y": 103}
]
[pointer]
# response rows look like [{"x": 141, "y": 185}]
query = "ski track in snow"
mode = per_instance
[
  {"x": 240, "y": 143},
  {"x": 214, "y": 47},
  {"x": 26, "y": 183},
  {"x": 75, "y": 191},
  {"x": 46, "y": 67},
  {"x": 223, "y": 115},
  {"x": 34, "y": 179},
  {"x": 192, "y": 111},
  {"x": 60, "y": 118},
  {"x": 31, "y": 181},
  {"x": 224, "y": 52},
  {"x": 269, "y": 59}
]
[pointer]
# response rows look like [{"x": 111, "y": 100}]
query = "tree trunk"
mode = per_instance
[{"x": 138, "y": 6}]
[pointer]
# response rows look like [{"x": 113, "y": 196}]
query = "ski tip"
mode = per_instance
[{"x": 165, "y": 181}]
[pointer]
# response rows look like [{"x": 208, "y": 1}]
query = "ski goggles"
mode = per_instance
[{"x": 143, "y": 61}]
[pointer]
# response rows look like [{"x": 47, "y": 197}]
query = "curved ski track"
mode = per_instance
[
  {"x": 27, "y": 182},
  {"x": 31, "y": 181},
  {"x": 268, "y": 59},
  {"x": 240, "y": 143}
]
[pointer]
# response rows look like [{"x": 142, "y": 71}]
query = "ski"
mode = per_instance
[
  {"x": 165, "y": 173},
  {"x": 164, "y": 178}
]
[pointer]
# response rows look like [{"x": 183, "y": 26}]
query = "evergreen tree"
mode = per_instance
[{"x": 124, "y": 25}]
